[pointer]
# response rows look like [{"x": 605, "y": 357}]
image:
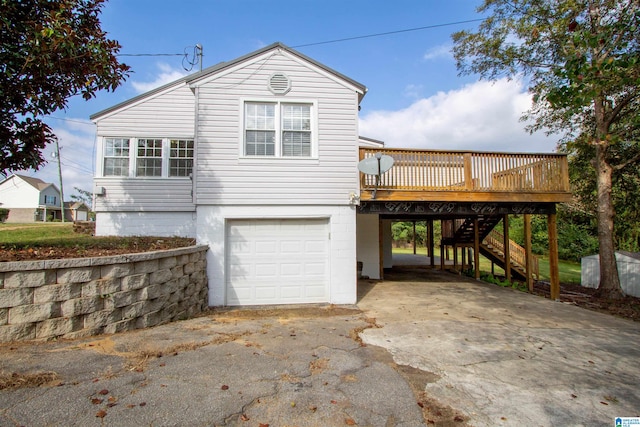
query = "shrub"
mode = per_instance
[{"x": 4, "y": 214}]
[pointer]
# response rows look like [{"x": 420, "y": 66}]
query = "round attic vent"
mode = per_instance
[{"x": 279, "y": 84}]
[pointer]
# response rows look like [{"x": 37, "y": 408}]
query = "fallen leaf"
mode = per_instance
[
  {"x": 96, "y": 401},
  {"x": 112, "y": 399},
  {"x": 503, "y": 418},
  {"x": 574, "y": 396},
  {"x": 313, "y": 408},
  {"x": 263, "y": 425},
  {"x": 131, "y": 405},
  {"x": 224, "y": 387},
  {"x": 293, "y": 404},
  {"x": 162, "y": 364},
  {"x": 103, "y": 392},
  {"x": 350, "y": 422},
  {"x": 459, "y": 419},
  {"x": 95, "y": 380},
  {"x": 334, "y": 402},
  {"x": 143, "y": 403},
  {"x": 101, "y": 413},
  {"x": 604, "y": 403},
  {"x": 112, "y": 404},
  {"x": 420, "y": 404},
  {"x": 243, "y": 417}
]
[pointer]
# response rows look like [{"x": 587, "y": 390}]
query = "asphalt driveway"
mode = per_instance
[
  {"x": 428, "y": 348},
  {"x": 503, "y": 357}
]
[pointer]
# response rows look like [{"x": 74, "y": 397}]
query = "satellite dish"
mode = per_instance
[{"x": 377, "y": 165}]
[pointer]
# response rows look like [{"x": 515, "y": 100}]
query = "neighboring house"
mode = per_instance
[
  {"x": 258, "y": 158},
  {"x": 29, "y": 199},
  {"x": 76, "y": 211},
  {"x": 628, "y": 271}
]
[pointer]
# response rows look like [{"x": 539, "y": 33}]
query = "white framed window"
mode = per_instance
[
  {"x": 180, "y": 157},
  {"x": 116, "y": 157},
  {"x": 148, "y": 157},
  {"x": 278, "y": 129}
]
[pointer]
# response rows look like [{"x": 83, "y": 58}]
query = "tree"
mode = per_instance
[
  {"x": 83, "y": 196},
  {"x": 50, "y": 50},
  {"x": 581, "y": 61}
]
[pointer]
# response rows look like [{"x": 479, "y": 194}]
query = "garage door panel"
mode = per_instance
[{"x": 277, "y": 261}]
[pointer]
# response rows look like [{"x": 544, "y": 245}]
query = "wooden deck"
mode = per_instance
[{"x": 466, "y": 176}]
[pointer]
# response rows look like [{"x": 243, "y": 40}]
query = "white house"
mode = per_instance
[
  {"x": 256, "y": 157},
  {"x": 29, "y": 199}
]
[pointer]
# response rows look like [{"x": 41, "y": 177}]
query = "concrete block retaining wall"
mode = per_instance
[{"x": 73, "y": 298}]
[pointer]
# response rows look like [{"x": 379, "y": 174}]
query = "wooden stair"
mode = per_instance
[
  {"x": 492, "y": 247},
  {"x": 461, "y": 234}
]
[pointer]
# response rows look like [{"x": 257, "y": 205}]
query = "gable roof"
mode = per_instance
[
  {"x": 36, "y": 183},
  {"x": 207, "y": 72}
]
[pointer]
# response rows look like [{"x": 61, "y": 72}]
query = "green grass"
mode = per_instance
[
  {"x": 569, "y": 271},
  {"x": 36, "y": 235}
]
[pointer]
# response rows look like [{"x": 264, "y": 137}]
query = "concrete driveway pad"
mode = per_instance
[{"x": 503, "y": 357}]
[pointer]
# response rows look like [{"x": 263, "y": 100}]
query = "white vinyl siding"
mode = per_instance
[
  {"x": 224, "y": 176},
  {"x": 144, "y": 194},
  {"x": 171, "y": 112}
]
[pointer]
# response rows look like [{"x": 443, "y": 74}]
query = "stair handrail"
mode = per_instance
[{"x": 517, "y": 253}]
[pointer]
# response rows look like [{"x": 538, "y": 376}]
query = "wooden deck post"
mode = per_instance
[
  {"x": 468, "y": 175},
  {"x": 527, "y": 250},
  {"x": 476, "y": 247},
  {"x": 507, "y": 254},
  {"x": 554, "y": 272},
  {"x": 431, "y": 243},
  {"x": 381, "y": 247},
  {"x": 414, "y": 237}
]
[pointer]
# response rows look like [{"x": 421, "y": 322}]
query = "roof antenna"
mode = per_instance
[{"x": 199, "y": 53}]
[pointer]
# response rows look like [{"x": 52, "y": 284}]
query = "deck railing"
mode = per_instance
[
  {"x": 435, "y": 170},
  {"x": 517, "y": 253}
]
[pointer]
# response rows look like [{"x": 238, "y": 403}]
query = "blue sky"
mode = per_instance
[{"x": 415, "y": 97}]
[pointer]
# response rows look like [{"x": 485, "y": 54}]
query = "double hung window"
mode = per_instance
[
  {"x": 149, "y": 158},
  {"x": 180, "y": 157},
  {"x": 116, "y": 157},
  {"x": 278, "y": 129}
]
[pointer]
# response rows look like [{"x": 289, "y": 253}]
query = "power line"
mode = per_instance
[
  {"x": 407, "y": 30},
  {"x": 150, "y": 54},
  {"x": 84, "y": 122},
  {"x": 427, "y": 27}
]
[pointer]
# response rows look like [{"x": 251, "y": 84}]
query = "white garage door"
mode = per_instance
[{"x": 282, "y": 261}]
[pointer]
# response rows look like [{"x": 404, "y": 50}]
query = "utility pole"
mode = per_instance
[{"x": 57, "y": 155}]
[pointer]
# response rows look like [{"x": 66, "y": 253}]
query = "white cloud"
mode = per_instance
[
  {"x": 437, "y": 52},
  {"x": 483, "y": 116},
  {"x": 413, "y": 91},
  {"x": 76, "y": 138},
  {"x": 166, "y": 74}
]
